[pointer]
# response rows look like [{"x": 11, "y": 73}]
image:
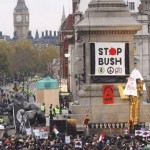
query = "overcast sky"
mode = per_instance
[{"x": 44, "y": 14}]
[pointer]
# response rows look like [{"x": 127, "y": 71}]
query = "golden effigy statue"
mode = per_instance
[{"x": 134, "y": 104}]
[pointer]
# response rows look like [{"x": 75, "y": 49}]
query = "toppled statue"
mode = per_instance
[
  {"x": 34, "y": 114},
  {"x": 134, "y": 103},
  {"x": 134, "y": 90}
]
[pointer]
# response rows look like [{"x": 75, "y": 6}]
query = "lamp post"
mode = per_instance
[
  {"x": 23, "y": 83},
  {"x": 27, "y": 91}
]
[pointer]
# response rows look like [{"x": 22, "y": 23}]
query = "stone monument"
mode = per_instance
[{"x": 106, "y": 30}]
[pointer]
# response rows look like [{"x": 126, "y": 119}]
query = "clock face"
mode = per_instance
[{"x": 18, "y": 18}]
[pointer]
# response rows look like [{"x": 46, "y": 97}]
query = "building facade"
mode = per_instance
[
  {"x": 66, "y": 38},
  {"x": 121, "y": 25},
  {"x": 133, "y": 5},
  {"x": 140, "y": 11}
]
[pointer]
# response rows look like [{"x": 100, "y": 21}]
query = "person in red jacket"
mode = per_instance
[{"x": 86, "y": 121}]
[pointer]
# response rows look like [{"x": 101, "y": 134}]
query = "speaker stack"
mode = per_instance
[{"x": 64, "y": 126}]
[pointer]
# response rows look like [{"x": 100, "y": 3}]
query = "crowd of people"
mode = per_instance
[
  {"x": 4, "y": 101},
  {"x": 59, "y": 142},
  {"x": 77, "y": 142}
]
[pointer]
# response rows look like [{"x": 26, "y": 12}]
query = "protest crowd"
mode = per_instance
[
  {"x": 63, "y": 141},
  {"x": 82, "y": 142}
]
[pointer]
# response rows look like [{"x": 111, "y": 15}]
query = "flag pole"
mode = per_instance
[{"x": 14, "y": 118}]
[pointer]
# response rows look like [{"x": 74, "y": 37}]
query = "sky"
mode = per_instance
[{"x": 44, "y": 14}]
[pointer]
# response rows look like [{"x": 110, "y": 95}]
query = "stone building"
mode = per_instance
[
  {"x": 142, "y": 42},
  {"x": 21, "y": 28},
  {"x": 140, "y": 11},
  {"x": 21, "y": 20},
  {"x": 66, "y": 38},
  {"x": 133, "y": 5}
]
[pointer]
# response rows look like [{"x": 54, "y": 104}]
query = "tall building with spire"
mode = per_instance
[
  {"x": 21, "y": 20},
  {"x": 63, "y": 18},
  {"x": 21, "y": 27}
]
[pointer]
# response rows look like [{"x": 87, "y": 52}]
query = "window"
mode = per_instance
[
  {"x": 131, "y": 5},
  {"x": 146, "y": 5},
  {"x": 148, "y": 28}
]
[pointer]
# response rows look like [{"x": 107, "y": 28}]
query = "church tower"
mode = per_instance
[
  {"x": 21, "y": 20},
  {"x": 63, "y": 18}
]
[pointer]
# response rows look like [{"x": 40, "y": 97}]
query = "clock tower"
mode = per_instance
[{"x": 21, "y": 20}]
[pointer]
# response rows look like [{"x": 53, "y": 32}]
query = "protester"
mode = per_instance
[
  {"x": 43, "y": 108},
  {"x": 59, "y": 142},
  {"x": 1, "y": 120},
  {"x": 5, "y": 134},
  {"x": 51, "y": 111},
  {"x": 78, "y": 142},
  {"x": 86, "y": 121},
  {"x": 57, "y": 111}
]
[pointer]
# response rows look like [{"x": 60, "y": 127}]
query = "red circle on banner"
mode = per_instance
[{"x": 112, "y": 51}]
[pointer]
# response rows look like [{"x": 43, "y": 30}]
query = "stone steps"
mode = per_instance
[{"x": 108, "y": 113}]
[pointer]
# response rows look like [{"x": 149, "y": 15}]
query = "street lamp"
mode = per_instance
[
  {"x": 79, "y": 79},
  {"x": 27, "y": 92},
  {"x": 22, "y": 79}
]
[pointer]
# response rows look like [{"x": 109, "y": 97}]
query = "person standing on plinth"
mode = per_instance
[{"x": 86, "y": 121}]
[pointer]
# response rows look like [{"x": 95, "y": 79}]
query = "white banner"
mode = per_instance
[
  {"x": 43, "y": 135},
  {"x": 40, "y": 134},
  {"x": 109, "y": 59},
  {"x": 78, "y": 144},
  {"x": 142, "y": 133},
  {"x": 28, "y": 131},
  {"x": 67, "y": 139},
  {"x": 131, "y": 87}
]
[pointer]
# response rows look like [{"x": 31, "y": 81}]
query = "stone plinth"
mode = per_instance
[{"x": 104, "y": 21}]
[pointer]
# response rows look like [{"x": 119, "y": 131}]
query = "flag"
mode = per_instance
[
  {"x": 146, "y": 134},
  {"x": 21, "y": 121},
  {"x": 101, "y": 138},
  {"x": 126, "y": 131},
  {"x": 142, "y": 133},
  {"x": 55, "y": 129}
]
